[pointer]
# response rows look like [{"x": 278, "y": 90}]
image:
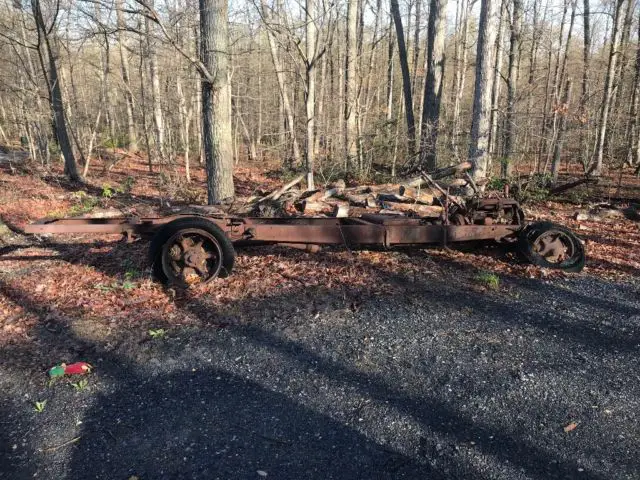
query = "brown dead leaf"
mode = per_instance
[{"x": 571, "y": 426}]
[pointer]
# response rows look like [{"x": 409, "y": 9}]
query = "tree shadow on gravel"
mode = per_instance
[
  {"x": 189, "y": 423},
  {"x": 213, "y": 424},
  {"x": 13, "y": 459},
  {"x": 226, "y": 426}
]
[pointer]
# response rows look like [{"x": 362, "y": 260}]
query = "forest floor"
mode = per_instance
[{"x": 429, "y": 363}]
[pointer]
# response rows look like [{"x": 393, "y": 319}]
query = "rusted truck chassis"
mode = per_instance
[{"x": 187, "y": 248}]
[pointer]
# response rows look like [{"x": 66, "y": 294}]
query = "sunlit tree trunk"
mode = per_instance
[
  {"x": 514, "y": 64},
  {"x": 609, "y": 85},
  {"x": 406, "y": 79},
  {"x": 479, "y": 153},
  {"x": 55, "y": 92},
  {"x": 496, "y": 89},
  {"x": 460, "y": 73},
  {"x": 436, "y": 32},
  {"x": 633, "y": 132},
  {"x": 216, "y": 101},
  {"x": 351, "y": 87},
  {"x": 310, "y": 101},
  {"x": 124, "y": 68},
  {"x": 158, "y": 123},
  {"x": 283, "y": 87}
]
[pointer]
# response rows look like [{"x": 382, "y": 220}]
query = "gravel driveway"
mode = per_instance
[{"x": 449, "y": 380}]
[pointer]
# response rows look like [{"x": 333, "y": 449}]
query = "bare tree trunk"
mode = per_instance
[
  {"x": 567, "y": 47},
  {"x": 251, "y": 144},
  {"x": 216, "y": 101},
  {"x": 416, "y": 50},
  {"x": 124, "y": 67},
  {"x": 370, "y": 68},
  {"x": 563, "y": 112},
  {"x": 545, "y": 109},
  {"x": 390, "y": 64},
  {"x": 436, "y": 32},
  {"x": 624, "y": 58},
  {"x": 320, "y": 104},
  {"x": 105, "y": 68},
  {"x": 155, "y": 90},
  {"x": 406, "y": 80},
  {"x": 559, "y": 75},
  {"x": 497, "y": 86},
  {"x": 351, "y": 87},
  {"x": 460, "y": 73},
  {"x": 531, "y": 84},
  {"x": 582, "y": 108},
  {"x": 185, "y": 118},
  {"x": 310, "y": 101},
  {"x": 55, "y": 93},
  {"x": 609, "y": 84},
  {"x": 485, "y": 70},
  {"x": 143, "y": 109},
  {"x": 514, "y": 64},
  {"x": 282, "y": 85},
  {"x": 633, "y": 132},
  {"x": 198, "y": 102}
]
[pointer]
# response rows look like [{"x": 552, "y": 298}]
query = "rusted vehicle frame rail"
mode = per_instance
[
  {"x": 375, "y": 230},
  {"x": 201, "y": 247}
]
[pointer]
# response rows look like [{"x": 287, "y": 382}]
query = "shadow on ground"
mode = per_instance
[{"x": 277, "y": 394}]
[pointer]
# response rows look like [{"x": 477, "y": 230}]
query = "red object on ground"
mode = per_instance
[{"x": 78, "y": 368}]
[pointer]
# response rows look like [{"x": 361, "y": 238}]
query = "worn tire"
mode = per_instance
[
  {"x": 533, "y": 231},
  {"x": 201, "y": 223}
]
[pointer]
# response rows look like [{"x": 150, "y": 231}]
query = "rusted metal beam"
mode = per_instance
[{"x": 369, "y": 230}]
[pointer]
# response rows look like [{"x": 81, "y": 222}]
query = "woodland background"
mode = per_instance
[{"x": 354, "y": 88}]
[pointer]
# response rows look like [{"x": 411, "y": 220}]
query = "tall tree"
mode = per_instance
[
  {"x": 216, "y": 99},
  {"x": 514, "y": 63},
  {"x": 563, "y": 113},
  {"x": 485, "y": 70},
  {"x": 406, "y": 79},
  {"x": 436, "y": 32},
  {"x": 283, "y": 86},
  {"x": 47, "y": 49},
  {"x": 496, "y": 88},
  {"x": 310, "y": 101},
  {"x": 124, "y": 68},
  {"x": 633, "y": 138},
  {"x": 460, "y": 72},
  {"x": 582, "y": 107},
  {"x": 351, "y": 87},
  {"x": 607, "y": 95},
  {"x": 158, "y": 123}
]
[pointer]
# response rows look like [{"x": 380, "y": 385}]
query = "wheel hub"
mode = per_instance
[
  {"x": 552, "y": 246},
  {"x": 191, "y": 256}
]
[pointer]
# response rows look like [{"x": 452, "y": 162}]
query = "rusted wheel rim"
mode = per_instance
[
  {"x": 191, "y": 257},
  {"x": 554, "y": 246}
]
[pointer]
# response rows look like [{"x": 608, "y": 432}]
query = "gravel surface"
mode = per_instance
[{"x": 449, "y": 380}]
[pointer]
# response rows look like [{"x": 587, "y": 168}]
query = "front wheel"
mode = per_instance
[
  {"x": 548, "y": 245},
  {"x": 191, "y": 251}
]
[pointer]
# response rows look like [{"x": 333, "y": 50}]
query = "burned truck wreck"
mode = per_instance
[{"x": 188, "y": 249}]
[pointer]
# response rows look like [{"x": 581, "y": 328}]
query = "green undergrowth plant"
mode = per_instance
[{"x": 488, "y": 279}]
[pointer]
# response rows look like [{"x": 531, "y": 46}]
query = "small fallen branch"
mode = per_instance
[
  {"x": 275, "y": 195},
  {"x": 57, "y": 447},
  {"x": 568, "y": 186}
]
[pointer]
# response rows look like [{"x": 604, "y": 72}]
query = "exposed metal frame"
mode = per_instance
[{"x": 369, "y": 230}]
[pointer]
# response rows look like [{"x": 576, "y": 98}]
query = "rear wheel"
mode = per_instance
[
  {"x": 548, "y": 245},
  {"x": 191, "y": 251}
]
